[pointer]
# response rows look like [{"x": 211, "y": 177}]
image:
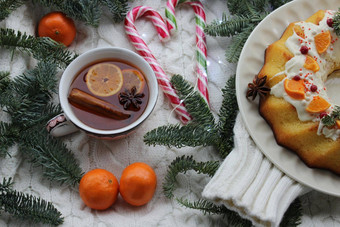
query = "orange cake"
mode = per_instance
[{"x": 300, "y": 113}]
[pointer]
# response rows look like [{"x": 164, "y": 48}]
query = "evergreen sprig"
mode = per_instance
[
  {"x": 27, "y": 207},
  {"x": 6, "y": 7},
  {"x": 41, "y": 48},
  {"x": 245, "y": 16},
  {"x": 182, "y": 165},
  {"x": 330, "y": 120},
  {"x": 336, "y": 22},
  {"x": 227, "y": 116},
  {"x": 27, "y": 102},
  {"x": 88, "y": 11}
]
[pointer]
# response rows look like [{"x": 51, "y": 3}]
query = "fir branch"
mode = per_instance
[
  {"x": 4, "y": 81},
  {"x": 194, "y": 102},
  {"x": 336, "y": 22},
  {"x": 208, "y": 207},
  {"x": 228, "y": 26},
  {"x": 59, "y": 164},
  {"x": 227, "y": 117},
  {"x": 118, "y": 8},
  {"x": 41, "y": 48},
  {"x": 238, "y": 41},
  {"x": 8, "y": 137},
  {"x": 182, "y": 165},
  {"x": 7, "y": 7},
  {"x": 27, "y": 207},
  {"x": 292, "y": 216},
  {"x": 191, "y": 135},
  {"x": 277, "y": 3}
]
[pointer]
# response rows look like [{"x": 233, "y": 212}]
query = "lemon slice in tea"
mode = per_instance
[
  {"x": 133, "y": 78},
  {"x": 104, "y": 79}
]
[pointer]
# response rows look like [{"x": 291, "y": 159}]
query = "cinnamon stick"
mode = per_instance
[{"x": 96, "y": 105}]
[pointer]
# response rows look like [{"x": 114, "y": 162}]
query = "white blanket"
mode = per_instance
[{"x": 177, "y": 57}]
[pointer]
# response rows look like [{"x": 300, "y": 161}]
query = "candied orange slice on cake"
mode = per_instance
[
  {"x": 133, "y": 78},
  {"x": 311, "y": 64},
  {"x": 104, "y": 79},
  {"x": 322, "y": 41},
  {"x": 298, "y": 30},
  {"x": 295, "y": 88},
  {"x": 318, "y": 105}
]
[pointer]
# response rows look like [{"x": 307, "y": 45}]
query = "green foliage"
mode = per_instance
[
  {"x": 88, "y": 11},
  {"x": 292, "y": 216},
  {"x": 41, "y": 48},
  {"x": 245, "y": 16},
  {"x": 118, "y": 8},
  {"x": 27, "y": 101},
  {"x": 330, "y": 120},
  {"x": 27, "y": 207},
  {"x": 227, "y": 117},
  {"x": 6, "y": 7},
  {"x": 336, "y": 22},
  {"x": 202, "y": 131},
  {"x": 194, "y": 103},
  {"x": 182, "y": 165}
]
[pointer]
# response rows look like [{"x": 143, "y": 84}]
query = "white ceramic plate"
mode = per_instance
[{"x": 250, "y": 63}]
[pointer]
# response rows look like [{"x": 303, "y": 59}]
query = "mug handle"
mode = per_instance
[{"x": 59, "y": 126}]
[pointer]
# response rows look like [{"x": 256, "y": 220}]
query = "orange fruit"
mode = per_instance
[
  {"x": 138, "y": 184},
  {"x": 311, "y": 64},
  {"x": 295, "y": 88},
  {"x": 98, "y": 189},
  {"x": 337, "y": 123},
  {"x": 298, "y": 30},
  {"x": 322, "y": 41},
  {"x": 318, "y": 105},
  {"x": 58, "y": 27},
  {"x": 133, "y": 78},
  {"x": 104, "y": 79}
]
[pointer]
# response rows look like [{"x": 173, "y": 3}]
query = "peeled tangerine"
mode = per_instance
[
  {"x": 295, "y": 88},
  {"x": 322, "y": 41},
  {"x": 298, "y": 30},
  {"x": 311, "y": 64},
  {"x": 318, "y": 105}
]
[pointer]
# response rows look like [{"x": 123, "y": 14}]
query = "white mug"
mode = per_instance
[{"x": 67, "y": 122}]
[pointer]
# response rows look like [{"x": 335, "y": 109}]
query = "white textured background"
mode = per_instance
[{"x": 177, "y": 57}]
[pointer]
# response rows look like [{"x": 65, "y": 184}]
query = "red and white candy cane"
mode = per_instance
[
  {"x": 145, "y": 52},
  {"x": 201, "y": 46}
]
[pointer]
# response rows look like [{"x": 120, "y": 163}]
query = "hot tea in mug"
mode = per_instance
[{"x": 109, "y": 94}]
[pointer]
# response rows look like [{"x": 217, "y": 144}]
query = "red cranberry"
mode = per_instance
[
  {"x": 297, "y": 78},
  {"x": 330, "y": 22},
  {"x": 313, "y": 88},
  {"x": 304, "y": 50},
  {"x": 323, "y": 114}
]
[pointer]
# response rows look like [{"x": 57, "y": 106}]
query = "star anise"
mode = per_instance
[
  {"x": 129, "y": 97},
  {"x": 258, "y": 87}
]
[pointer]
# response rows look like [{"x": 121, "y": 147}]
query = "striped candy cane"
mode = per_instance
[
  {"x": 201, "y": 47},
  {"x": 145, "y": 52}
]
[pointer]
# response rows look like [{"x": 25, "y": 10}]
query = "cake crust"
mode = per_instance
[{"x": 301, "y": 137}]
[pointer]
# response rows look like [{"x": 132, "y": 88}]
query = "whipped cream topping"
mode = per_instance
[{"x": 327, "y": 61}]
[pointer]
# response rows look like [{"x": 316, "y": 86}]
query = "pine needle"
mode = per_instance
[
  {"x": 194, "y": 103},
  {"x": 336, "y": 22},
  {"x": 118, "y": 8},
  {"x": 292, "y": 216},
  {"x": 182, "y": 165},
  {"x": 7, "y": 7},
  {"x": 41, "y": 48},
  {"x": 227, "y": 117},
  {"x": 27, "y": 207}
]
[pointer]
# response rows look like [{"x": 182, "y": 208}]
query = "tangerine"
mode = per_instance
[
  {"x": 138, "y": 184},
  {"x": 58, "y": 27},
  {"x": 298, "y": 30},
  {"x": 322, "y": 41},
  {"x": 295, "y": 88},
  {"x": 311, "y": 64},
  {"x": 133, "y": 78},
  {"x": 318, "y": 105},
  {"x": 104, "y": 79},
  {"x": 98, "y": 189}
]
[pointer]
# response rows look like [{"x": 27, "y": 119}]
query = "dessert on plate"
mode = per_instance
[{"x": 301, "y": 115}]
